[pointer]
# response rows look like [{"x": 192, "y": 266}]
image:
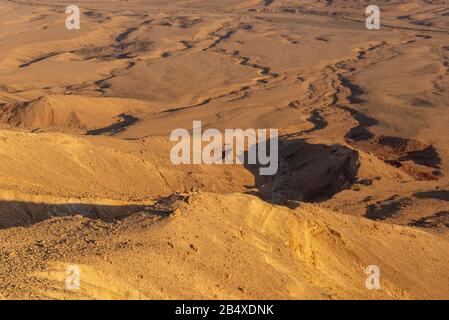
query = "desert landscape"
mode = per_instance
[{"x": 86, "y": 178}]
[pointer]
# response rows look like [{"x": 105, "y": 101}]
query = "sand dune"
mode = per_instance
[{"x": 85, "y": 171}]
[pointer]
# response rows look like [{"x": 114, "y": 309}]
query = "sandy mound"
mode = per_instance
[
  {"x": 68, "y": 113},
  {"x": 232, "y": 246},
  {"x": 50, "y": 170}
]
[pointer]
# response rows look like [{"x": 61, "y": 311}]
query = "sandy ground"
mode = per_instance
[{"x": 86, "y": 177}]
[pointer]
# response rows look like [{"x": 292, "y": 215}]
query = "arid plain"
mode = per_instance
[{"x": 85, "y": 171}]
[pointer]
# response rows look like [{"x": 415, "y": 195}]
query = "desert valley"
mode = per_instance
[{"x": 86, "y": 178}]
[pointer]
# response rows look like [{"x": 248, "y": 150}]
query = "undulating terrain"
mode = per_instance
[{"x": 85, "y": 171}]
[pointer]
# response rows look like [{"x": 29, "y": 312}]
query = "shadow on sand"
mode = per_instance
[
  {"x": 116, "y": 128},
  {"x": 308, "y": 172},
  {"x": 23, "y": 214}
]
